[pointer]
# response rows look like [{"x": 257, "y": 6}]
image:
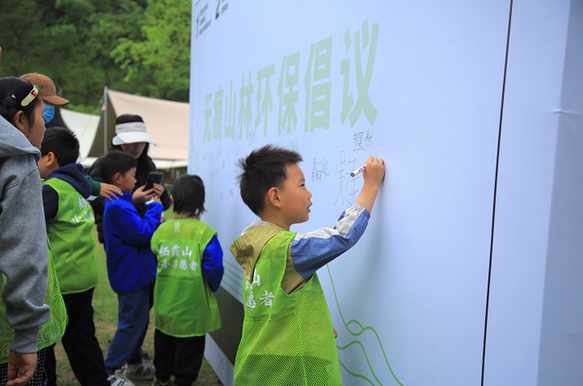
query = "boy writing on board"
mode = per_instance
[{"x": 288, "y": 338}]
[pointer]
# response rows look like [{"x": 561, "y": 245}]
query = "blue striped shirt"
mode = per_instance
[{"x": 311, "y": 251}]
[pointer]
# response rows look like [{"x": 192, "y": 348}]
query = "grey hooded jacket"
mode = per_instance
[{"x": 23, "y": 239}]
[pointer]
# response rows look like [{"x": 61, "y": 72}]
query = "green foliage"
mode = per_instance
[
  {"x": 136, "y": 46},
  {"x": 163, "y": 49}
]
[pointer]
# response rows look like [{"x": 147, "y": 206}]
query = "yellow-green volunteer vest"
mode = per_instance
[
  {"x": 184, "y": 304},
  {"x": 51, "y": 331},
  {"x": 70, "y": 233},
  {"x": 287, "y": 338}
]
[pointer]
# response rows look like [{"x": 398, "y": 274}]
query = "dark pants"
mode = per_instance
[
  {"x": 181, "y": 357},
  {"x": 80, "y": 344}
]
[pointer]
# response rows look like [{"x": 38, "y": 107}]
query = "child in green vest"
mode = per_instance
[
  {"x": 190, "y": 269},
  {"x": 288, "y": 337},
  {"x": 70, "y": 221}
]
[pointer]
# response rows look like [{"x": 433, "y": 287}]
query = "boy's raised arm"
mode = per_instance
[
  {"x": 136, "y": 230},
  {"x": 373, "y": 176}
]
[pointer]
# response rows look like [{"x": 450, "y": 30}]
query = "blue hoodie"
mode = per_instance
[{"x": 130, "y": 261}]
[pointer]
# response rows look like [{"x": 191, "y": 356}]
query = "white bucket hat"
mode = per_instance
[{"x": 131, "y": 132}]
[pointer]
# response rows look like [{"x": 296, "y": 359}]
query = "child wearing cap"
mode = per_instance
[
  {"x": 52, "y": 103},
  {"x": 48, "y": 92}
]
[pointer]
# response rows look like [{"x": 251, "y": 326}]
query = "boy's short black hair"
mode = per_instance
[
  {"x": 188, "y": 195},
  {"x": 115, "y": 161},
  {"x": 63, "y": 143},
  {"x": 264, "y": 169}
]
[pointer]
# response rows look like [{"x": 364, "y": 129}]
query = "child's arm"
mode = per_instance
[
  {"x": 311, "y": 251},
  {"x": 95, "y": 186},
  {"x": 50, "y": 202},
  {"x": 132, "y": 228},
  {"x": 109, "y": 191},
  {"x": 212, "y": 263},
  {"x": 373, "y": 176},
  {"x": 104, "y": 190}
]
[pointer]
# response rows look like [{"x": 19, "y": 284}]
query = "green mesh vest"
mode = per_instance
[
  {"x": 70, "y": 233},
  {"x": 287, "y": 338},
  {"x": 184, "y": 304},
  {"x": 50, "y": 332}
]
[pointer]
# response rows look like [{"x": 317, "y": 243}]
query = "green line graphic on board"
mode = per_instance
[
  {"x": 356, "y": 334},
  {"x": 235, "y": 274}
]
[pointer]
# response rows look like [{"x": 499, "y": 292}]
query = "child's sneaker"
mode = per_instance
[
  {"x": 140, "y": 371},
  {"x": 118, "y": 379},
  {"x": 158, "y": 382}
]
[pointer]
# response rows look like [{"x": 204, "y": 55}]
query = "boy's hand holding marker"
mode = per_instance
[{"x": 373, "y": 172}]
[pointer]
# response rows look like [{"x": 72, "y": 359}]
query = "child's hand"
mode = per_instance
[
  {"x": 375, "y": 170},
  {"x": 373, "y": 176},
  {"x": 141, "y": 195},
  {"x": 20, "y": 368},
  {"x": 110, "y": 191}
]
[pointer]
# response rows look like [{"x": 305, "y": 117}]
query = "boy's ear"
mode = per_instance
[
  {"x": 50, "y": 159},
  {"x": 273, "y": 197},
  {"x": 116, "y": 179},
  {"x": 171, "y": 198}
]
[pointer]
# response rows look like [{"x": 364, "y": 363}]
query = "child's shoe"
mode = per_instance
[
  {"x": 158, "y": 382},
  {"x": 118, "y": 379},
  {"x": 140, "y": 371}
]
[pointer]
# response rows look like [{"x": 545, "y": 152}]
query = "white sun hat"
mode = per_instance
[{"x": 131, "y": 132}]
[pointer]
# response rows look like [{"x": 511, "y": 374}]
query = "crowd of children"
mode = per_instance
[{"x": 173, "y": 265}]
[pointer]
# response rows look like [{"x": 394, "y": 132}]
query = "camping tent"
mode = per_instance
[
  {"x": 85, "y": 127},
  {"x": 167, "y": 123}
]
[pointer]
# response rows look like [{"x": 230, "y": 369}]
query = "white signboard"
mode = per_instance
[{"x": 420, "y": 84}]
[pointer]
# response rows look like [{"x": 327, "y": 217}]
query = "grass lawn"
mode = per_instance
[{"x": 105, "y": 305}]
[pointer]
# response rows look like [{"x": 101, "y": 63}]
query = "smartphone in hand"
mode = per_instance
[{"x": 154, "y": 178}]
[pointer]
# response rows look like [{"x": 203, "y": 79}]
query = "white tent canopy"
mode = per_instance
[
  {"x": 85, "y": 128},
  {"x": 167, "y": 123}
]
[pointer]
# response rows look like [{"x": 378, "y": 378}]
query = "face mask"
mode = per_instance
[{"x": 49, "y": 113}]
